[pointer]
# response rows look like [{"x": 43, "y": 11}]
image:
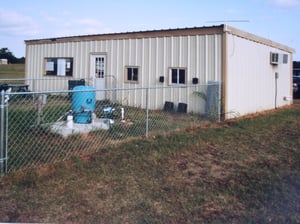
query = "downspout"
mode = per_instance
[
  {"x": 26, "y": 65},
  {"x": 291, "y": 78},
  {"x": 276, "y": 88},
  {"x": 224, "y": 72}
]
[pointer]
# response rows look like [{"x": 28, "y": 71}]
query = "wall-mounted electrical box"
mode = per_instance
[
  {"x": 161, "y": 79},
  {"x": 195, "y": 80}
]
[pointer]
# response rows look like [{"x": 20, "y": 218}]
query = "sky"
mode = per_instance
[{"x": 21, "y": 20}]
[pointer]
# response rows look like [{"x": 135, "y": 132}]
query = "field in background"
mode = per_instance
[
  {"x": 12, "y": 71},
  {"x": 242, "y": 171}
]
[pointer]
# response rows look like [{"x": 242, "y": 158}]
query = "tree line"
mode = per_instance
[{"x": 5, "y": 53}]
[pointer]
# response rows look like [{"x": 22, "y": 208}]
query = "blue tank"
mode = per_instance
[{"x": 83, "y": 104}]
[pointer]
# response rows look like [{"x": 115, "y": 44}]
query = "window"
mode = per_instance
[
  {"x": 132, "y": 74},
  {"x": 177, "y": 75},
  {"x": 99, "y": 67},
  {"x": 59, "y": 66},
  {"x": 285, "y": 59}
]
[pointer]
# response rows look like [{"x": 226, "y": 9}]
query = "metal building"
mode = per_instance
[
  {"x": 3, "y": 61},
  {"x": 255, "y": 73}
]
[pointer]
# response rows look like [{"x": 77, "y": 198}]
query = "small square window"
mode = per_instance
[
  {"x": 132, "y": 74},
  {"x": 178, "y": 76}
]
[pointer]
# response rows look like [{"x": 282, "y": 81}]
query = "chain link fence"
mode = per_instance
[{"x": 45, "y": 127}]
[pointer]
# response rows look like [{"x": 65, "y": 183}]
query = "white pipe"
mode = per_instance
[
  {"x": 122, "y": 113},
  {"x": 70, "y": 121}
]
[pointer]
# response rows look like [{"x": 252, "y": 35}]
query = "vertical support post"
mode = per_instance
[
  {"x": 39, "y": 110},
  {"x": 147, "y": 112},
  {"x": 2, "y": 134},
  {"x": 34, "y": 85},
  {"x": 6, "y": 136},
  {"x": 33, "y": 89},
  {"x": 220, "y": 101}
]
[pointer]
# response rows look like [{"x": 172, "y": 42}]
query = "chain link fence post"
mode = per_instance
[
  {"x": 3, "y": 137},
  {"x": 147, "y": 112}
]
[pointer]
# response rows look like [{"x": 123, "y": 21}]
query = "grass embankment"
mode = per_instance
[
  {"x": 245, "y": 171},
  {"x": 12, "y": 71}
]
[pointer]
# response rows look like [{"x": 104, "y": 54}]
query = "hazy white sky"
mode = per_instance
[{"x": 22, "y": 20}]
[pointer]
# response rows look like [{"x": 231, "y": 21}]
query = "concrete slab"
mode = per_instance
[{"x": 67, "y": 128}]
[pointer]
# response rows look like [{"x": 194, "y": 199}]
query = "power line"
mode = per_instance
[{"x": 229, "y": 21}]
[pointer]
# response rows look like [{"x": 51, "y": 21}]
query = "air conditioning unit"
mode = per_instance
[{"x": 274, "y": 58}]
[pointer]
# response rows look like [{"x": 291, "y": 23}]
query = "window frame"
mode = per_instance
[
  {"x": 132, "y": 80},
  {"x": 58, "y": 66},
  {"x": 178, "y": 78}
]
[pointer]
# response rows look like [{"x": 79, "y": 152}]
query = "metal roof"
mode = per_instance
[{"x": 205, "y": 30}]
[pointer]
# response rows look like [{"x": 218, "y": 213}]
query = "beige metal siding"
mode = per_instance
[
  {"x": 251, "y": 83},
  {"x": 200, "y": 55}
]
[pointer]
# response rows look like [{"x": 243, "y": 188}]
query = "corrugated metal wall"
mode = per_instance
[
  {"x": 250, "y": 81},
  {"x": 200, "y": 55}
]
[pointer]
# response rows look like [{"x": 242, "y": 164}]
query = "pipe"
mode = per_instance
[
  {"x": 276, "y": 88},
  {"x": 122, "y": 113}
]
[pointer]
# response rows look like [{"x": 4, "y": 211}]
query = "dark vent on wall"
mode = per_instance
[{"x": 195, "y": 80}]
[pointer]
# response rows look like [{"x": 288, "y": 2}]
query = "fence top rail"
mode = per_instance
[
  {"x": 112, "y": 89},
  {"x": 40, "y": 79}
]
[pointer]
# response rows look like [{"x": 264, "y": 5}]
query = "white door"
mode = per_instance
[{"x": 98, "y": 72}]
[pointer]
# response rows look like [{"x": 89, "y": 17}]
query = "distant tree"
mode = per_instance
[
  {"x": 7, "y": 54},
  {"x": 21, "y": 60}
]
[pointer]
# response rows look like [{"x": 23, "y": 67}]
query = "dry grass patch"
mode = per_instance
[{"x": 247, "y": 171}]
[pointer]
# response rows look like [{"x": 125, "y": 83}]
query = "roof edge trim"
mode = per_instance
[{"x": 258, "y": 39}]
